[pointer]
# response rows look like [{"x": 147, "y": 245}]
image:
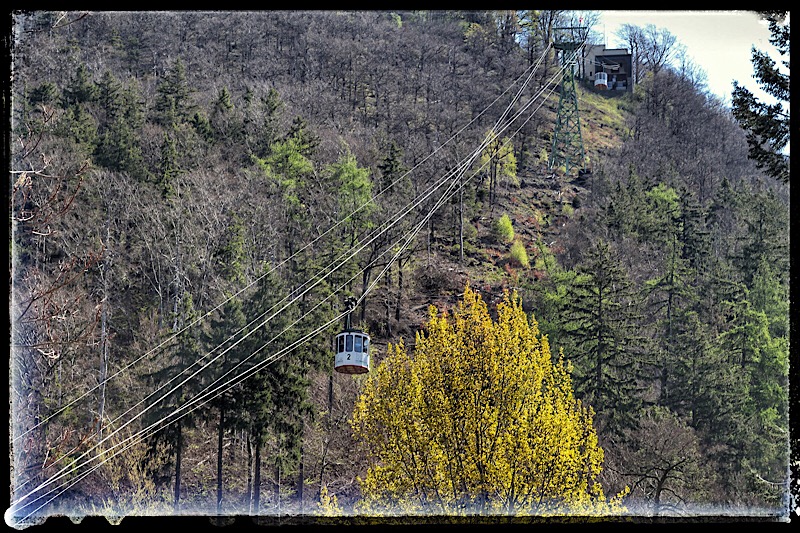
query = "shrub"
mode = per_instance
[
  {"x": 503, "y": 230},
  {"x": 518, "y": 255}
]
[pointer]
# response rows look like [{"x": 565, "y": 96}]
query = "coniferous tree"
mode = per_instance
[
  {"x": 119, "y": 146},
  {"x": 767, "y": 125},
  {"x": 226, "y": 341},
  {"x": 275, "y": 393},
  {"x": 175, "y": 386},
  {"x": 80, "y": 89},
  {"x": 174, "y": 101},
  {"x": 601, "y": 320}
]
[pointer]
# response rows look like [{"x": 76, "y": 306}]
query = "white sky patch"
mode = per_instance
[{"x": 718, "y": 42}]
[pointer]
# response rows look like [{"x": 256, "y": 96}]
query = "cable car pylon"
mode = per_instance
[
  {"x": 351, "y": 346},
  {"x": 567, "y": 149}
]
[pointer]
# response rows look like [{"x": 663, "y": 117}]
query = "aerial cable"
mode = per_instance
[
  {"x": 475, "y": 155},
  {"x": 439, "y": 203},
  {"x": 282, "y": 352},
  {"x": 192, "y": 403},
  {"x": 110, "y": 435},
  {"x": 308, "y": 281},
  {"x": 532, "y": 68}
]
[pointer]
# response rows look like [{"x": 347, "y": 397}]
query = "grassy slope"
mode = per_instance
[{"x": 538, "y": 208}]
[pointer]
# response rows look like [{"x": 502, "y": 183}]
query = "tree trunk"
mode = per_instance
[
  {"x": 179, "y": 445},
  {"x": 103, "y": 341},
  {"x": 461, "y": 222},
  {"x": 326, "y": 441},
  {"x": 249, "y": 497},
  {"x": 278, "y": 485},
  {"x": 220, "y": 435},
  {"x": 301, "y": 479},
  {"x": 399, "y": 290},
  {"x": 256, "y": 506}
]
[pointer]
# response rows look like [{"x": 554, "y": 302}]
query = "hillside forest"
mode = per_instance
[{"x": 200, "y": 202}]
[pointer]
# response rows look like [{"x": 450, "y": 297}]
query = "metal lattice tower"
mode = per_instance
[{"x": 567, "y": 147}]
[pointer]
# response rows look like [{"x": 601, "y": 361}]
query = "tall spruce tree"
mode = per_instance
[
  {"x": 767, "y": 125},
  {"x": 174, "y": 388},
  {"x": 601, "y": 318}
]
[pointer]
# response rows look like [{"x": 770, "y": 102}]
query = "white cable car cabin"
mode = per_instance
[
  {"x": 352, "y": 352},
  {"x": 601, "y": 80}
]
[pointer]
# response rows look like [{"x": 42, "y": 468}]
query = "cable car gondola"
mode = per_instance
[{"x": 352, "y": 349}]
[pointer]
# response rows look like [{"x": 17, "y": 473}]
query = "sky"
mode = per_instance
[{"x": 719, "y": 42}]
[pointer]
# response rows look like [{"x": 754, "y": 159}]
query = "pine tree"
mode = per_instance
[
  {"x": 275, "y": 395},
  {"x": 224, "y": 342},
  {"x": 174, "y": 389},
  {"x": 174, "y": 100},
  {"x": 109, "y": 95},
  {"x": 119, "y": 146},
  {"x": 767, "y": 125},
  {"x": 80, "y": 88},
  {"x": 601, "y": 320}
]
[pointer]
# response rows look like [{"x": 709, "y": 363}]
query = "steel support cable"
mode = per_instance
[
  {"x": 282, "y": 352},
  {"x": 64, "y": 470},
  {"x": 475, "y": 154},
  {"x": 441, "y": 201},
  {"x": 514, "y": 100},
  {"x": 532, "y": 68},
  {"x": 446, "y": 196},
  {"x": 192, "y": 403}
]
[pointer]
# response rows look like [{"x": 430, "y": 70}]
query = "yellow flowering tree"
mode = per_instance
[{"x": 479, "y": 420}]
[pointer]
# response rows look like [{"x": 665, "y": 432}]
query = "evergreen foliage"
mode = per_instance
[{"x": 767, "y": 125}]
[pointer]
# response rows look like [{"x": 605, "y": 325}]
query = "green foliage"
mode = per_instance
[
  {"x": 80, "y": 88},
  {"x": 168, "y": 167},
  {"x": 287, "y": 168},
  {"x": 354, "y": 191},
  {"x": 174, "y": 100},
  {"x": 545, "y": 260},
  {"x": 202, "y": 126},
  {"x": 693, "y": 316},
  {"x": 275, "y": 397},
  {"x": 232, "y": 255},
  {"x": 109, "y": 95},
  {"x": 544, "y": 157},
  {"x": 502, "y": 229},
  {"x": 767, "y": 125},
  {"x": 518, "y": 255},
  {"x": 78, "y": 125},
  {"x": 44, "y": 93},
  {"x": 223, "y": 103},
  {"x": 600, "y": 320}
]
